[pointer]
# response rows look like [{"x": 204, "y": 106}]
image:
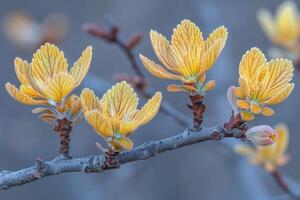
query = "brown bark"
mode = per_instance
[
  {"x": 198, "y": 109},
  {"x": 235, "y": 122},
  {"x": 111, "y": 160},
  {"x": 64, "y": 128}
]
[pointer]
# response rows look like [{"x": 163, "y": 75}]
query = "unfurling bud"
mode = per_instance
[
  {"x": 134, "y": 40},
  {"x": 232, "y": 99},
  {"x": 261, "y": 135},
  {"x": 209, "y": 85}
]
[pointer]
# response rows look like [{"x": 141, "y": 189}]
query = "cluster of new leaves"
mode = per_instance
[{"x": 47, "y": 81}]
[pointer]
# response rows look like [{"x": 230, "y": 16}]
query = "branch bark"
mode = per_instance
[
  {"x": 198, "y": 109},
  {"x": 94, "y": 163},
  {"x": 63, "y": 129}
]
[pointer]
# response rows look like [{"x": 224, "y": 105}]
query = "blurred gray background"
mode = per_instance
[{"x": 204, "y": 171}]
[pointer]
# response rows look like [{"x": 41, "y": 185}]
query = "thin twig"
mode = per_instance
[
  {"x": 130, "y": 57},
  {"x": 94, "y": 163},
  {"x": 278, "y": 177}
]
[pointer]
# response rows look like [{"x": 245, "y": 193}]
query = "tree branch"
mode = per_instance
[{"x": 94, "y": 163}]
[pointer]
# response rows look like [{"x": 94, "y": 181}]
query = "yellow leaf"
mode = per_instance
[
  {"x": 75, "y": 106},
  {"x": 120, "y": 99},
  {"x": 210, "y": 56},
  {"x": 27, "y": 89},
  {"x": 287, "y": 20},
  {"x": 89, "y": 100},
  {"x": 57, "y": 88},
  {"x": 161, "y": 48},
  {"x": 213, "y": 47},
  {"x": 33, "y": 82},
  {"x": 49, "y": 118},
  {"x": 280, "y": 74},
  {"x": 251, "y": 64},
  {"x": 217, "y": 34},
  {"x": 20, "y": 68},
  {"x": 255, "y": 109},
  {"x": 282, "y": 140},
  {"x": 21, "y": 97},
  {"x": 149, "y": 110},
  {"x": 99, "y": 122},
  {"x": 156, "y": 69},
  {"x": 266, "y": 111},
  {"x": 186, "y": 46},
  {"x": 239, "y": 92},
  {"x": 210, "y": 85},
  {"x": 202, "y": 78},
  {"x": 126, "y": 127},
  {"x": 282, "y": 95},
  {"x": 81, "y": 66},
  {"x": 244, "y": 87},
  {"x": 267, "y": 23},
  {"x": 175, "y": 88},
  {"x": 47, "y": 62},
  {"x": 42, "y": 109},
  {"x": 246, "y": 116},
  {"x": 70, "y": 100},
  {"x": 243, "y": 104}
]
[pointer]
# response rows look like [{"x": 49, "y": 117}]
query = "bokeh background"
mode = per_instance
[{"x": 203, "y": 171}]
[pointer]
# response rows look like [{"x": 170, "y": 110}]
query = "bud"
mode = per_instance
[
  {"x": 232, "y": 99},
  {"x": 262, "y": 135},
  {"x": 97, "y": 31},
  {"x": 209, "y": 85},
  {"x": 247, "y": 116},
  {"x": 134, "y": 40},
  {"x": 266, "y": 111}
]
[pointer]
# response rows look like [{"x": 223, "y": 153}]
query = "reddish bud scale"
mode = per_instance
[
  {"x": 134, "y": 40},
  {"x": 98, "y": 31}
]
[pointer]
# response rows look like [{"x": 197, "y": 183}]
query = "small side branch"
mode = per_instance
[
  {"x": 94, "y": 163},
  {"x": 130, "y": 57},
  {"x": 279, "y": 179}
]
